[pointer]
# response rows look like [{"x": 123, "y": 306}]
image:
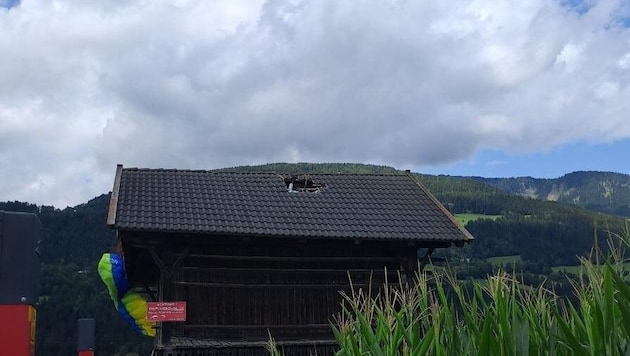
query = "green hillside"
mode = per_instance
[
  {"x": 305, "y": 167},
  {"x": 538, "y": 234},
  {"x": 606, "y": 192},
  {"x": 73, "y": 240},
  {"x": 543, "y": 233}
]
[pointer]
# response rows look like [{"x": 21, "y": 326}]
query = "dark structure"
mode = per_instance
[
  {"x": 255, "y": 254},
  {"x": 19, "y": 259},
  {"x": 19, "y": 282}
]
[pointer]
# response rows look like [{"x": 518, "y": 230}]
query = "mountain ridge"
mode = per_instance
[
  {"x": 542, "y": 233},
  {"x": 607, "y": 192},
  {"x": 601, "y": 191}
]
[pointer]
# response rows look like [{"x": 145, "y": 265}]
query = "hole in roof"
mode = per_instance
[{"x": 302, "y": 184}]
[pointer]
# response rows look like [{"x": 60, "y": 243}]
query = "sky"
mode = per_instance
[{"x": 493, "y": 88}]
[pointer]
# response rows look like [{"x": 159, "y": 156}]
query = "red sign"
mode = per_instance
[
  {"x": 17, "y": 330},
  {"x": 166, "y": 311}
]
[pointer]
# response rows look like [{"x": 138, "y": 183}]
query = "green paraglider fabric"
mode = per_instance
[{"x": 130, "y": 305}]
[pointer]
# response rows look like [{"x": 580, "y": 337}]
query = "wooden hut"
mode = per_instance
[{"x": 259, "y": 254}]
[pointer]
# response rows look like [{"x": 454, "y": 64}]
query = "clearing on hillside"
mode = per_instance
[{"x": 466, "y": 217}]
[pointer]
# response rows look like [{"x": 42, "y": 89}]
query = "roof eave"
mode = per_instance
[
  {"x": 113, "y": 200},
  {"x": 468, "y": 237},
  {"x": 441, "y": 243}
]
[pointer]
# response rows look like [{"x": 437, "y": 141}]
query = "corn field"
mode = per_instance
[{"x": 439, "y": 315}]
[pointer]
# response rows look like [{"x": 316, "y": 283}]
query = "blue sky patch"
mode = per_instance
[
  {"x": 9, "y": 3},
  {"x": 579, "y": 6},
  {"x": 552, "y": 164}
]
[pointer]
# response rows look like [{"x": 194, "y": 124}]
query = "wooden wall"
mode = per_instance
[{"x": 241, "y": 290}]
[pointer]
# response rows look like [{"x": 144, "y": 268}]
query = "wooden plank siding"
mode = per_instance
[{"x": 242, "y": 291}]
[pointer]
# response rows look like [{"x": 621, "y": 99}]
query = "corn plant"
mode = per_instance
[
  {"x": 439, "y": 315},
  {"x": 600, "y": 323}
]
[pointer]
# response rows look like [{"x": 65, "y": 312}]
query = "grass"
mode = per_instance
[
  {"x": 576, "y": 269},
  {"x": 439, "y": 315},
  {"x": 466, "y": 217},
  {"x": 499, "y": 261},
  {"x": 568, "y": 269}
]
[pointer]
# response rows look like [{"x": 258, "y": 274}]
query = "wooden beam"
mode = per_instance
[
  {"x": 204, "y": 343},
  {"x": 168, "y": 270},
  {"x": 297, "y": 258},
  {"x": 288, "y": 270},
  {"x": 113, "y": 200},
  {"x": 277, "y": 286},
  {"x": 158, "y": 262},
  {"x": 426, "y": 258},
  {"x": 241, "y": 327}
]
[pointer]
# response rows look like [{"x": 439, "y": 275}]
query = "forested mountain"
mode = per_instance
[
  {"x": 601, "y": 191},
  {"x": 299, "y": 168},
  {"x": 542, "y": 233},
  {"x": 73, "y": 240}
]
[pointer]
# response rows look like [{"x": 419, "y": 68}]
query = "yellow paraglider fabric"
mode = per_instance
[{"x": 130, "y": 305}]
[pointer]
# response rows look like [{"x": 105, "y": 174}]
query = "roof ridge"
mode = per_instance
[
  {"x": 135, "y": 169},
  {"x": 186, "y": 170}
]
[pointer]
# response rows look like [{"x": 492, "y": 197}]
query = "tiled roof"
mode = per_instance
[{"x": 357, "y": 206}]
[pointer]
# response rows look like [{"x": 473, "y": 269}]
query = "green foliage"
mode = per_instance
[
  {"x": 504, "y": 261},
  {"x": 73, "y": 240},
  {"x": 606, "y": 192},
  {"x": 322, "y": 168},
  {"x": 465, "y": 218},
  {"x": 439, "y": 315},
  {"x": 599, "y": 323},
  {"x": 543, "y": 233}
]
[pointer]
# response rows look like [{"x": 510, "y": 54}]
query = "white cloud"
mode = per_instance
[
  {"x": 205, "y": 84},
  {"x": 571, "y": 57},
  {"x": 624, "y": 61}
]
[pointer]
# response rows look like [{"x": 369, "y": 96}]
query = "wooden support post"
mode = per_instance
[
  {"x": 86, "y": 330},
  {"x": 166, "y": 276},
  {"x": 426, "y": 258}
]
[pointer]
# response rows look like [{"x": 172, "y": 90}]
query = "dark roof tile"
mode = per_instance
[{"x": 364, "y": 206}]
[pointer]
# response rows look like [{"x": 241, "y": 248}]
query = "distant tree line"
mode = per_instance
[
  {"x": 544, "y": 234},
  {"x": 73, "y": 240}
]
